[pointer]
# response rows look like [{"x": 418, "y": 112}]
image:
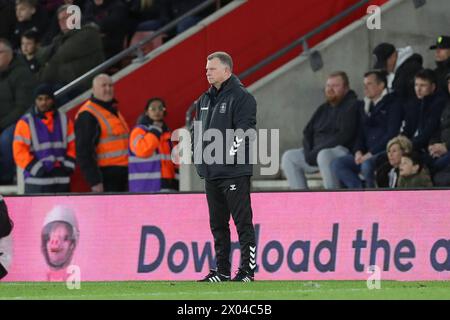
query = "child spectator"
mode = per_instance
[
  {"x": 28, "y": 18},
  {"x": 412, "y": 172},
  {"x": 28, "y": 46}
]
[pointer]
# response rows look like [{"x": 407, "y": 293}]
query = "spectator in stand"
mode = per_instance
[
  {"x": 150, "y": 167},
  {"x": 439, "y": 148},
  {"x": 72, "y": 52},
  {"x": 28, "y": 46},
  {"x": 422, "y": 120},
  {"x": 328, "y": 135},
  {"x": 29, "y": 17},
  {"x": 401, "y": 64},
  {"x": 111, "y": 17},
  {"x": 53, "y": 28},
  {"x": 102, "y": 139},
  {"x": 442, "y": 58},
  {"x": 7, "y": 19},
  {"x": 149, "y": 15},
  {"x": 16, "y": 93},
  {"x": 50, "y": 6},
  {"x": 180, "y": 7},
  {"x": 44, "y": 145},
  {"x": 412, "y": 172},
  {"x": 387, "y": 173},
  {"x": 379, "y": 121}
]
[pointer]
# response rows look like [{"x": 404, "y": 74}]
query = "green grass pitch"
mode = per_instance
[{"x": 264, "y": 290}]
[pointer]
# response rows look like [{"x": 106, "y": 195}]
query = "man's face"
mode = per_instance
[
  {"x": 335, "y": 89},
  {"x": 441, "y": 54},
  {"x": 423, "y": 88},
  {"x": 395, "y": 155},
  {"x": 63, "y": 16},
  {"x": 103, "y": 89},
  {"x": 28, "y": 46},
  {"x": 43, "y": 102},
  {"x": 372, "y": 88},
  {"x": 59, "y": 246},
  {"x": 155, "y": 111},
  {"x": 98, "y": 2},
  {"x": 5, "y": 56},
  {"x": 216, "y": 72},
  {"x": 407, "y": 168},
  {"x": 24, "y": 12}
]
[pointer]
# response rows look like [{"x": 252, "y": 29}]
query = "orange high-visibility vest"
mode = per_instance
[{"x": 112, "y": 148}]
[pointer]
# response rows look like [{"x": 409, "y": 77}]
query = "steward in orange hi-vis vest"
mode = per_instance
[
  {"x": 150, "y": 166},
  {"x": 44, "y": 145},
  {"x": 101, "y": 135},
  {"x": 102, "y": 140},
  {"x": 111, "y": 149}
]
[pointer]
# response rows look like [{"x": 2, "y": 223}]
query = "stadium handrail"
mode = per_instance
[
  {"x": 134, "y": 48},
  {"x": 302, "y": 41}
]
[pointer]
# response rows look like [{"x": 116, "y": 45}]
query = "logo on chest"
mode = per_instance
[{"x": 223, "y": 108}]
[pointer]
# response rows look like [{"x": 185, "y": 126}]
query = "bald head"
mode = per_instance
[
  {"x": 6, "y": 54},
  {"x": 102, "y": 88}
]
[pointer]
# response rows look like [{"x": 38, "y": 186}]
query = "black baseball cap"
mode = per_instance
[
  {"x": 442, "y": 42},
  {"x": 381, "y": 53}
]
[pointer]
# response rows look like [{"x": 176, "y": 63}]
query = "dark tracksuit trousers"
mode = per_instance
[{"x": 225, "y": 197}]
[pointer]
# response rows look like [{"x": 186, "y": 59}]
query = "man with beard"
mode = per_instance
[{"x": 328, "y": 135}]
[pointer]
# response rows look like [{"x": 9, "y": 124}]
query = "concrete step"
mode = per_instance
[{"x": 314, "y": 182}]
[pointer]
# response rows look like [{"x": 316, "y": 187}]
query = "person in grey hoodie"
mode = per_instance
[
  {"x": 401, "y": 64},
  {"x": 329, "y": 134}
]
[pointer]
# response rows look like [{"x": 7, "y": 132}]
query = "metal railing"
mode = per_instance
[
  {"x": 302, "y": 41},
  {"x": 134, "y": 48}
]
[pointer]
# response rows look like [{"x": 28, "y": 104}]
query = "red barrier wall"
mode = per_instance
[{"x": 249, "y": 33}]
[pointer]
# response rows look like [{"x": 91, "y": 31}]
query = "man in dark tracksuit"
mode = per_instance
[
  {"x": 227, "y": 105},
  {"x": 6, "y": 247}
]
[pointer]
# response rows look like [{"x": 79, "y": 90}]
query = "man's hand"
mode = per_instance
[
  {"x": 437, "y": 150},
  {"x": 97, "y": 187},
  {"x": 358, "y": 157}
]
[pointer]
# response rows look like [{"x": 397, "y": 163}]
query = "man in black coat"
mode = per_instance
[
  {"x": 401, "y": 64},
  {"x": 442, "y": 58},
  {"x": 329, "y": 134},
  {"x": 229, "y": 109},
  {"x": 422, "y": 120},
  {"x": 439, "y": 147},
  {"x": 379, "y": 121}
]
